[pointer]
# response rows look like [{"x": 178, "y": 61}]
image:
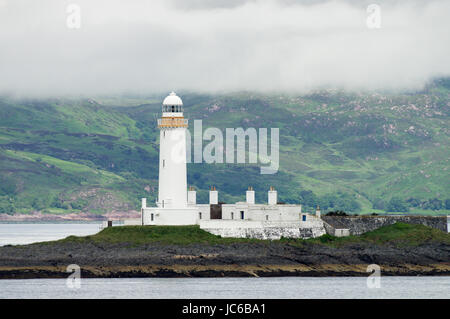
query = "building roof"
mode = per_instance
[{"x": 172, "y": 99}]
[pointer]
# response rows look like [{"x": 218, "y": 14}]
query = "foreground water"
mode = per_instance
[
  {"x": 27, "y": 233},
  {"x": 229, "y": 288}
]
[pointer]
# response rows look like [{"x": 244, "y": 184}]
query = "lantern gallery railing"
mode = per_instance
[{"x": 172, "y": 122}]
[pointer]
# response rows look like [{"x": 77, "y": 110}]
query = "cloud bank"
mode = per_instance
[{"x": 208, "y": 46}]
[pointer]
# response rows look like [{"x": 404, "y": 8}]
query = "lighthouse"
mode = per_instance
[
  {"x": 175, "y": 205},
  {"x": 172, "y": 192}
]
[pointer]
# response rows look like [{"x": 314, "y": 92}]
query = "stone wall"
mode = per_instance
[
  {"x": 264, "y": 230},
  {"x": 362, "y": 224}
]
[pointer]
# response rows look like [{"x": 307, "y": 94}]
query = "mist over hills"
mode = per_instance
[{"x": 360, "y": 152}]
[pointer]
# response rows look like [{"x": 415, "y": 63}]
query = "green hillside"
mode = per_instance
[{"x": 361, "y": 152}]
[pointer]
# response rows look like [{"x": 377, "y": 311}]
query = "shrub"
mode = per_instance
[
  {"x": 336, "y": 213},
  {"x": 397, "y": 204}
]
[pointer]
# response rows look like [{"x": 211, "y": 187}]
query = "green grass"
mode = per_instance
[
  {"x": 171, "y": 235},
  {"x": 399, "y": 234}
]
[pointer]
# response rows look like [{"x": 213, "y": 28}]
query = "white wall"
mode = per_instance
[
  {"x": 187, "y": 216},
  {"x": 192, "y": 197},
  {"x": 166, "y": 216},
  {"x": 261, "y": 212},
  {"x": 213, "y": 197},
  {"x": 264, "y": 230},
  {"x": 250, "y": 197},
  {"x": 272, "y": 197}
]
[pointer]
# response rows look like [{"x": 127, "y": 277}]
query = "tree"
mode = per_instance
[
  {"x": 413, "y": 202},
  {"x": 434, "y": 204},
  {"x": 6, "y": 206},
  {"x": 308, "y": 198},
  {"x": 379, "y": 204},
  {"x": 397, "y": 204},
  {"x": 7, "y": 186},
  {"x": 327, "y": 201}
]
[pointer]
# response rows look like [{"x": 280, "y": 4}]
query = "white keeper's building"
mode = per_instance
[{"x": 176, "y": 205}]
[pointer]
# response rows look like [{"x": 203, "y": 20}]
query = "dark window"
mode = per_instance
[
  {"x": 242, "y": 214},
  {"x": 173, "y": 108},
  {"x": 200, "y": 215},
  {"x": 151, "y": 217},
  {"x": 232, "y": 215},
  {"x": 304, "y": 218},
  {"x": 267, "y": 217}
]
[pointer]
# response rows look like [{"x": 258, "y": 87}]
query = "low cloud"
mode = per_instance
[{"x": 204, "y": 46}]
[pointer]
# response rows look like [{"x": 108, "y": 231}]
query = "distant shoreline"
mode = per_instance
[{"x": 40, "y": 217}]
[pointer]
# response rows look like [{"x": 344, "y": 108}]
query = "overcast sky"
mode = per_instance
[{"x": 226, "y": 45}]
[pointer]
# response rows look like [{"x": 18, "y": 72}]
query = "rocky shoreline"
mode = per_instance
[
  {"x": 156, "y": 271},
  {"x": 107, "y": 260}
]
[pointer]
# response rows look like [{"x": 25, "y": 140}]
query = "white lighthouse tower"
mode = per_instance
[
  {"x": 172, "y": 192},
  {"x": 172, "y": 207}
]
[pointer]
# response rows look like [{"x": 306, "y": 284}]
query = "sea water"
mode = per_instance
[
  {"x": 229, "y": 288},
  {"x": 27, "y": 233}
]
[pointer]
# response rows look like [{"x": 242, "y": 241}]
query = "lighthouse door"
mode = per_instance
[{"x": 216, "y": 211}]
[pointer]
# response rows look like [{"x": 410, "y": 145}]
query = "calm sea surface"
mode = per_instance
[
  {"x": 229, "y": 288},
  {"x": 27, "y": 233}
]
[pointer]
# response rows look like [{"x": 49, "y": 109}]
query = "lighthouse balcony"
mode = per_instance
[{"x": 172, "y": 122}]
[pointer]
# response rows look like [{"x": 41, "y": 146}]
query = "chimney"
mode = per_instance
[
  {"x": 318, "y": 211},
  {"x": 272, "y": 196},
  {"x": 213, "y": 196},
  {"x": 250, "y": 195},
  {"x": 144, "y": 202},
  {"x": 192, "y": 196}
]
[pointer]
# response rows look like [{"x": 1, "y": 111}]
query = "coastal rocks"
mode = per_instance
[
  {"x": 176, "y": 271},
  {"x": 104, "y": 260}
]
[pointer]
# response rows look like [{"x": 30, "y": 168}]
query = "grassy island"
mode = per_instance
[
  {"x": 187, "y": 251},
  {"x": 399, "y": 233}
]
